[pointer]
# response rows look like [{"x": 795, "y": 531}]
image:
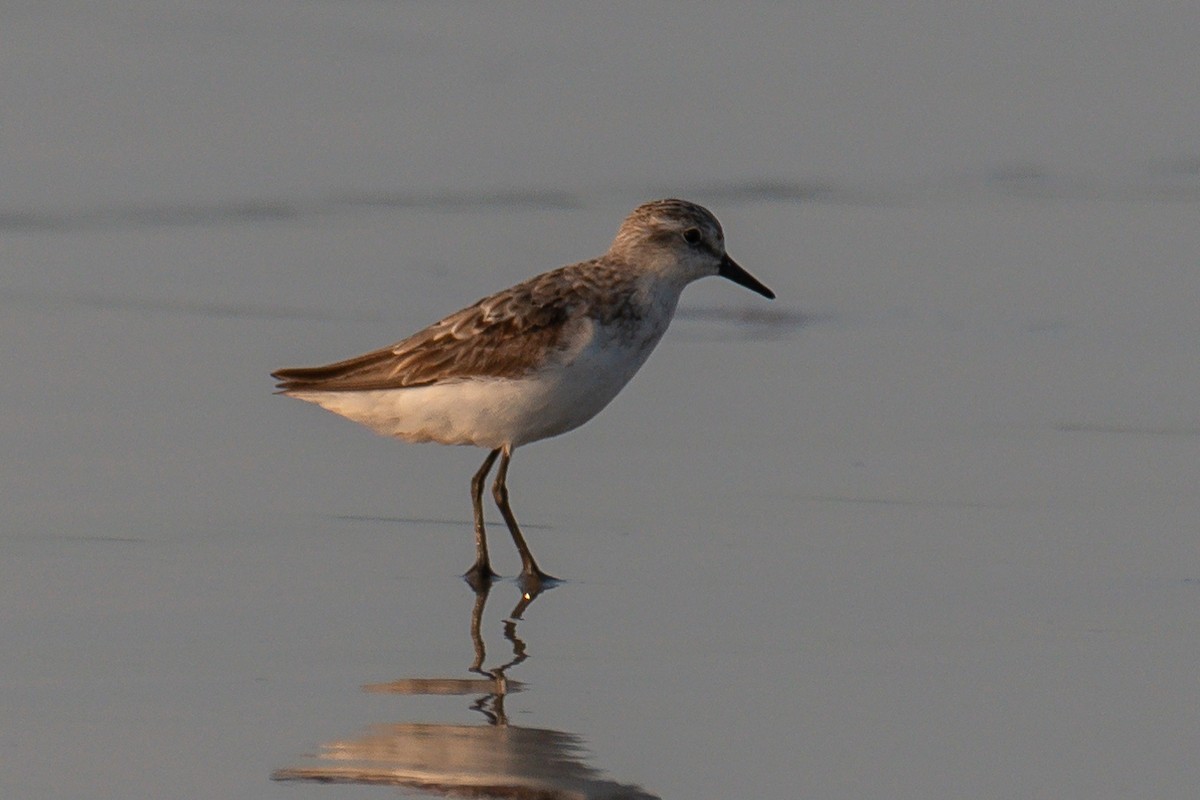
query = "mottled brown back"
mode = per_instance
[{"x": 503, "y": 336}]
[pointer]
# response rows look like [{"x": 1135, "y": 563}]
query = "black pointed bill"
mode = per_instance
[{"x": 732, "y": 270}]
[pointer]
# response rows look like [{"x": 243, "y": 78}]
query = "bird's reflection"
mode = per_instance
[{"x": 493, "y": 759}]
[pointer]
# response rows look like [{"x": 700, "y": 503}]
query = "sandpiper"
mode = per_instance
[{"x": 533, "y": 361}]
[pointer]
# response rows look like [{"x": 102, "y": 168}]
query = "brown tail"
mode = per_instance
[{"x": 367, "y": 371}]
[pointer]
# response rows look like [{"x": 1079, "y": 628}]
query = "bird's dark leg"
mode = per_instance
[
  {"x": 532, "y": 578},
  {"x": 480, "y": 574}
]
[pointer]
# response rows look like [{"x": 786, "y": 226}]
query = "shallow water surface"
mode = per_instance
[{"x": 923, "y": 527}]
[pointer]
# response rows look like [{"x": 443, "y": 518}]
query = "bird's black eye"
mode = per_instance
[{"x": 692, "y": 236}]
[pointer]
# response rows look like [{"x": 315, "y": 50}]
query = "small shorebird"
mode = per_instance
[{"x": 532, "y": 361}]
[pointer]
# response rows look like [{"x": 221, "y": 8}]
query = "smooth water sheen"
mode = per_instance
[{"x": 923, "y": 527}]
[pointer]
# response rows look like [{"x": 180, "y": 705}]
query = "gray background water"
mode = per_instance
[{"x": 925, "y": 527}]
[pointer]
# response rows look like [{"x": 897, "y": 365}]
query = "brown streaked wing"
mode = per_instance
[{"x": 503, "y": 336}]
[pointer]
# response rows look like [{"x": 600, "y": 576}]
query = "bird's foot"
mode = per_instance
[
  {"x": 480, "y": 576},
  {"x": 533, "y": 581}
]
